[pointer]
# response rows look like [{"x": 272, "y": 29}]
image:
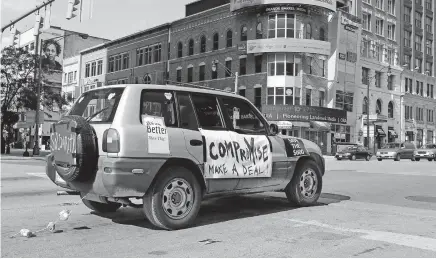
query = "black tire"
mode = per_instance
[
  {"x": 397, "y": 157},
  {"x": 379, "y": 159},
  {"x": 101, "y": 207},
  {"x": 86, "y": 153},
  {"x": 294, "y": 191},
  {"x": 417, "y": 159},
  {"x": 430, "y": 159},
  {"x": 339, "y": 159},
  {"x": 154, "y": 199}
]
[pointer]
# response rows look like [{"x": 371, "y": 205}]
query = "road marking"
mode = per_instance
[
  {"x": 432, "y": 174},
  {"x": 419, "y": 242},
  {"x": 41, "y": 175}
]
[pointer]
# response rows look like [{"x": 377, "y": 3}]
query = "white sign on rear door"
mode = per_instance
[
  {"x": 158, "y": 142},
  {"x": 233, "y": 155}
]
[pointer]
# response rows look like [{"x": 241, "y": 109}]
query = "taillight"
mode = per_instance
[{"x": 111, "y": 141}]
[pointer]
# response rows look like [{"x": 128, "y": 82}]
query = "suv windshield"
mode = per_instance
[
  {"x": 392, "y": 145},
  {"x": 98, "y": 105}
]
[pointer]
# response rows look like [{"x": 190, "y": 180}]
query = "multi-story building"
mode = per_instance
[
  {"x": 70, "y": 78},
  {"x": 417, "y": 54}
]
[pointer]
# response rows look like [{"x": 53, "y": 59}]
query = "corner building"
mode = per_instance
[{"x": 280, "y": 51}]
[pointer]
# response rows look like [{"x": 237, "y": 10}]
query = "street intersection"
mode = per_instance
[{"x": 367, "y": 209}]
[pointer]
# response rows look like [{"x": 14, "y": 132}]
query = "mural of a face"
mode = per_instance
[{"x": 50, "y": 51}]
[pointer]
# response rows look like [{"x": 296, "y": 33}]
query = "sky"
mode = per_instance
[{"x": 110, "y": 19}]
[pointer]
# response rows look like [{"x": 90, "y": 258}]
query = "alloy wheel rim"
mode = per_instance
[
  {"x": 177, "y": 198},
  {"x": 308, "y": 183}
]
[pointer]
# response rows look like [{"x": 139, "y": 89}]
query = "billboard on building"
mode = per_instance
[
  {"x": 52, "y": 57},
  {"x": 239, "y": 4}
]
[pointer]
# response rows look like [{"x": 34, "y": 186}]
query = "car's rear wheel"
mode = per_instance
[
  {"x": 306, "y": 184},
  {"x": 430, "y": 159},
  {"x": 379, "y": 159},
  {"x": 397, "y": 157},
  {"x": 101, "y": 207},
  {"x": 173, "y": 201}
]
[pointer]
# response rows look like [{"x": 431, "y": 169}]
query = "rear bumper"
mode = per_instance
[{"x": 114, "y": 177}]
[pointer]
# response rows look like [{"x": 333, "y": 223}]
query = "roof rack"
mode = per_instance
[{"x": 197, "y": 86}]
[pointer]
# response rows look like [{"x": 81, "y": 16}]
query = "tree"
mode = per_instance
[{"x": 19, "y": 90}]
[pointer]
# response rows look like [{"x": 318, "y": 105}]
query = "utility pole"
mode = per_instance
[{"x": 38, "y": 95}]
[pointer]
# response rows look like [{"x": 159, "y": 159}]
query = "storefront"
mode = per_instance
[{"x": 308, "y": 122}]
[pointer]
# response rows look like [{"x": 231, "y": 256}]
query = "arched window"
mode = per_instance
[
  {"x": 203, "y": 44},
  {"x": 365, "y": 106},
  {"x": 322, "y": 34},
  {"x": 378, "y": 107},
  {"x": 244, "y": 33},
  {"x": 216, "y": 41},
  {"x": 309, "y": 31},
  {"x": 180, "y": 50},
  {"x": 147, "y": 79},
  {"x": 259, "y": 31},
  {"x": 229, "y": 39},
  {"x": 191, "y": 47},
  {"x": 391, "y": 109}
]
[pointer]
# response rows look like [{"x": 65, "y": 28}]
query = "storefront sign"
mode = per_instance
[
  {"x": 342, "y": 56},
  {"x": 304, "y": 113},
  {"x": 239, "y": 4},
  {"x": 285, "y": 8},
  {"x": 242, "y": 47},
  {"x": 350, "y": 28},
  {"x": 346, "y": 21},
  {"x": 288, "y": 45}
]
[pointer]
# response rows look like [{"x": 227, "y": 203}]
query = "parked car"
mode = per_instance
[
  {"x": 172, "y": 147},
  {"x": 353, "y": 153},
  {"x": 428, "y": 151},
  {"x": 396, "y": 151}
]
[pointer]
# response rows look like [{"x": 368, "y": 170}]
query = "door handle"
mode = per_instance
[{"x": 196, "y": 142}]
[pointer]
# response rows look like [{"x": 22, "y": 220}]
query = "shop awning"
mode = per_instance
[
  {"x": 320, "y": 126},
  {"x": 393, "y": 134},
  {"x": 301, "y": 124},
  {"x": 380, "y": 133}
]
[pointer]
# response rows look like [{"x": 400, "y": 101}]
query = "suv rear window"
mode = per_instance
[{"x": 99, "y": 105}]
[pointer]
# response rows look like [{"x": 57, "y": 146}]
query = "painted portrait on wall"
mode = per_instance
[{"x": 51, "y": 58}]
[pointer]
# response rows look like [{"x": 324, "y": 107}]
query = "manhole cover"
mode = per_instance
[{"x": 422, "y": 198}]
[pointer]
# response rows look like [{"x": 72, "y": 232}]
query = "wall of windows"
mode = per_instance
[
  {"x": 280, "y": 64},
  {"x": 118, "y": 62},
  {"x": 344, "y": 100},
  {"x": 93, "y": 68},
  {"x": 284, "y": 95}
]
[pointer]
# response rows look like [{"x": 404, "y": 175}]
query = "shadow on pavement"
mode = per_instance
[{"x": 216, "y": 210}]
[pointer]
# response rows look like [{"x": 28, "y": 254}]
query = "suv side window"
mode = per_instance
[
  {"x": 242, "y": 116},
  {"x": 160, "y": 104},
  {"x": 208, "y": 112},
  {"x": 187, "y": 115}
]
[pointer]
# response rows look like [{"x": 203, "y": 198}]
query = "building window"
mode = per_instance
[
  {"x": 418, "y": 20},
  {"x": 70, "y": 77},
  {"x": 340, "y": 133},
  {"x": 428, "y": 4},
  {"x": 379, "y": 27},
  {"x": 283, "y": 95},
  {"x": 344, "y": 100},
  {"x": 139, "y": 57},
  {"x": 258, "y": 63},
  {"x": 93, "y": 68},
  {"x": 179, "y": 50},
  {"x": 191, "y": 47},
  {"x": 258, "y": 97},
  {"x": 408, "y": 39},
  {"x": 259, "y": 33},
  {"x": 429, "y": 47},
  {"x": 229, "y": 39},
  {"x": 418, "y": 43},
  {"x": 321, "y": 99},
  {"x": 419, "y": 88},
  {"x": 378, "y": 52},
  {"x": 322, "y": 34},
  {"x": 419, "y": 114},
  {"x": 408, "y": 85},
  {"x": 429, "y": 68},
  {"x": 65, "y": 77},
  {"x": 365, "y": 105},
  {"x": 242, "y": 66},
  {"x": 366, "y": 48},
  {"x": 215, "y": 73},
  {"x": 391, "y": 31},
  {"x": 418, "y": 63},
  {"x": 126, "y": 61},
  {"x": 430, "y": 117},
  {"x": 391, "y": 80},
  {"x": 242, "y": 92},
  {"x": 157, "y": 53},
  {"x": 203, "y": 44},
  {"x": 308, "y": 97},
  {"x": 87, "y": 69},
  {"x": 202, "y": 72},
  {"x": 391, "y": 109},
  {"x": 391, "y": 6},
  {"x": 391, "y": 56},
  {"x": 418, "y": 2},
  {"x": 366, "y": 25},
  {"x": 216, "y": 39},
  {"x": 99, "y": 67},
  {"x": 308, "y": 31},
  {"x": 408, "y": 61},
  {"x": 279, "y": 64},
  {"x": 408, "y": 14},
  {"x": 229, "y": 68},
  {"x": 430, "y": 91},
  {"x": 379, "y": 4},
  {"x": 408, "y": 113},
  {"x": 429, "y": 24},
  {"x": 378, "y": 107},
  {"x": 179, "y": 75},
  {"x": 147, "y": 79},
  {"x": 365, "y": 76},
  {"x": 190, "y": 72},
  {"x": 244, "y": 31},
  {"x": 285, "y": 26},
  {"x": 118, "y": 62},
  {"x": 75, "y": 76},
  {"x": 378, "y": 79}
]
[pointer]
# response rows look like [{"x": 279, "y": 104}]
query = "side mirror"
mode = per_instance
[{"x": 274, "y": 129}]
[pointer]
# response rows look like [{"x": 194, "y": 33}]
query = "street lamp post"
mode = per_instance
[{"x": 236, "y": 74}]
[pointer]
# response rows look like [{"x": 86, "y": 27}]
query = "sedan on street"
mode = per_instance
[
  {"x": 428, "y": 151},
  {"x": 353, "y": 153}
]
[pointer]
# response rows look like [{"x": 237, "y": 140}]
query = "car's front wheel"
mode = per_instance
[
  {"x": 173, "y": 201},
  {"x": 397, "y": 157},
  {"x": 417, "y": 159},
  {"x": 430, "y": 159},
  {"x": 306, "y": 184}
]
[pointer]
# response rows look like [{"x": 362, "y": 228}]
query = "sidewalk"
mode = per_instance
[{"x": 17, "y": 154}]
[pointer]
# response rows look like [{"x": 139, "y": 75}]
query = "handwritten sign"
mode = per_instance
[
  {"x": 295, "y": 147},
  {"x": 233, "y": 155},
  {"x": 158, "y": 141}
]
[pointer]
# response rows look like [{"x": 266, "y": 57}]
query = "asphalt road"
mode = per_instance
[{"x": 367, "y": 209}]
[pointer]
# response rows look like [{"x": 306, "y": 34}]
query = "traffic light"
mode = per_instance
[
  {"x": 15, "y": 37},
  {"x": 72, "y": 7},
  {"x": 37, "y": 26}
]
